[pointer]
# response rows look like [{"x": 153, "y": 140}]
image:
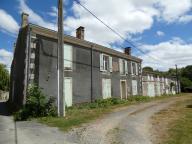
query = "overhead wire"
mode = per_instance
[{"x": 116, "y": 32}]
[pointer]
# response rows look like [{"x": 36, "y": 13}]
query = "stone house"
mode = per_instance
[
  {"x": 155, "y": 85},
  {"x": 91, "y": 71}
]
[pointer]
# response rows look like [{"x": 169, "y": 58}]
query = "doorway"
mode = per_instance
[{"x": 123, "y": 87}]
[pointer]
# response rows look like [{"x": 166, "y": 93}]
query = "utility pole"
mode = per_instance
[
  {"x": 177, "y": 77},
  {"x": 60, "y": 63}
]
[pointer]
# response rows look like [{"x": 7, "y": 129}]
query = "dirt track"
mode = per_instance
[{"x": 128, "y": 125}]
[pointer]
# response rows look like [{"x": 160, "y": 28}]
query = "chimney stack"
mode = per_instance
[
  {"x": 80, "y": 32},
  {"x": 24, "y": 18},
  {"x": 128, "y": 51}
]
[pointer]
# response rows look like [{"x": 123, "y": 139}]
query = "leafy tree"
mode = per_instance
[
  {"x": 149, "y": 69},
  {"x": 4, "y": 78},
  {"x": 185, "y": 82},
  {"x": 187, "y": 72}
]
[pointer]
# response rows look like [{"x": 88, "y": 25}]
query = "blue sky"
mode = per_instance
[{"x": 162, "y": 29}]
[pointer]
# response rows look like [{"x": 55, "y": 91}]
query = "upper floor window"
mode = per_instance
[
  {"x": 105, "y": 63},
  {"x": 123, "y": 67},
  {"x": 68, "y": 57},
  {"x": 134, "y": 68}
]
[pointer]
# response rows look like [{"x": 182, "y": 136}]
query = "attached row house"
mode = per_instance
[
  {"x": 155, "y": 85},
  {"x": 91, "y": 71}
]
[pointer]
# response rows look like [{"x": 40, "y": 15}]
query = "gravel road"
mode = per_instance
[{"x": 128, "y": 125}]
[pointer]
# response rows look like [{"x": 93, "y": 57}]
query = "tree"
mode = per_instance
[
  {"x": 185, "y": 82},
  {"x": 187, "y": 72},
  {"x": 147, "y": 68},
  {"x": 4, "y": 78}
]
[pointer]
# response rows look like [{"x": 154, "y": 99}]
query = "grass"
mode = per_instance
[
  {"x": 180, "y": 130},
  {"x": 83, "y": 113}
]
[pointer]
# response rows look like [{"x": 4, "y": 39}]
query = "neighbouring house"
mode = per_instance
[
  {"x": 91, "y": 71},
  {"x": 155, "y": 85}
]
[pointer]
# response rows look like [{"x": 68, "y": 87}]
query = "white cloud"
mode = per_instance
[
  {"x": 8, "y": 23},
  {"x": 185, "y": 19},
  {"x": 6, "y": 57},
  {"x": 168, "y": 54},
  {"x": 160, "y": 33},
  {"x": 126, "y": 16},
  {"x": 54, "y": 11},
  {"x": 172, "y": 10},
  {"x": 34, "y": 17}
]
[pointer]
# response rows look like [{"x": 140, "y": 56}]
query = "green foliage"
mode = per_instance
[
  {"x": 36, "y": 105},
  {"x": 4, "y": 78},
  {"x": 149, "y": 69},
  {"x": 185, "y": 82},
  {"x": 138, "y": 98},
  {"x": 187, "y": 72}
]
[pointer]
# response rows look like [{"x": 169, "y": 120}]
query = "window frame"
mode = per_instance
[{"x": 71, "y": 67}]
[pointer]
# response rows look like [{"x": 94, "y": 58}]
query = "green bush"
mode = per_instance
[{"x": 36, "y": 105}]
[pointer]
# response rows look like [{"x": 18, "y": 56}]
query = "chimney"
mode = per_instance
[
  {"x": 24, "y": 18},
  {"x": 80, "y": 32},
  {"x": 128, "y": 50}
]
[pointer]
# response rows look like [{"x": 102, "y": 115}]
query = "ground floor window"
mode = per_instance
[
  {"x": 106, "y": 88},
  {"x": 134, "y": 87},
  {"x": 68, "y": 91}
]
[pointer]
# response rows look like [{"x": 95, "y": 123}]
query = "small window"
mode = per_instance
[
  {"x": 123, "y": 67},
  {"x": 134, "y": 68},
  {"x": 68, "y": 57},
  {"x": 105, "y": 63}
]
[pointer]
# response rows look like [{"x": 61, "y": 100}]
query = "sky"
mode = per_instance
[{"x": 161, "y": 29}]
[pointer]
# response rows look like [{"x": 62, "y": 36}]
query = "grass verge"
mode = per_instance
[
  {"x": 84, "y": 113},
  {"x": 174, "y": 125}
]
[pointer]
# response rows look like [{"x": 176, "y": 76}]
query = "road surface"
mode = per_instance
[{"x": 128, "y": 125}]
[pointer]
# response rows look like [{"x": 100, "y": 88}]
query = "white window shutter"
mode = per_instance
[
  {"x": 126, "y": 68},
  {"x": 120, "y": 66},
  {"x": 68, "y": 58},
  {"x": 110, "y": 64},
  {"x": 132, "y": 68},
  {"x": 136, "y": 68},
  {"x": 101, "y": 62}
]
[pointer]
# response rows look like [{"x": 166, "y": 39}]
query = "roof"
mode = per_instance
[{"x": 75, "y": 41}]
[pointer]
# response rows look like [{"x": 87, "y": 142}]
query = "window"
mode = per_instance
[
  {"x": 123, "y": 67},
  {"x": 105, "y": 63},
  {"x": 106, "y": 88},
  {"x": 68, "y": 57},
  {"x": 134, "y": 68}
]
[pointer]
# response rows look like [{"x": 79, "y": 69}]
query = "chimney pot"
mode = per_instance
[
  {"x": 80, "y": 32},
  {"x": 24, "y": 21},
  {"x": 128, "y": 50}
]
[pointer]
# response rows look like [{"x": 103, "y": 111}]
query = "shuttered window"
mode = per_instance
[
  {"x": 106, "y": 63},
  {"x": 68, "y": 57},
  {"x": 106, "y": 88},
  {"x": 134, "y": 68},
  {"x": 123, "y": 67}
]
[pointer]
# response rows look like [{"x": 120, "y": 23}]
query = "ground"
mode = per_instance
[{"x": 127, "y": 125}]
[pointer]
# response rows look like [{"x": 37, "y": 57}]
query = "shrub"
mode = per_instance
[{"x": 36, "y": 105}]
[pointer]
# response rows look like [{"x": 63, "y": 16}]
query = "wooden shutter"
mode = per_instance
[
  {"x": 136, "y": 68},
  {"x": 120, "y": 66},
  {"x": 110, "y": 64},
  {"x": 68, "y": 58},
  {"x": 68, "y": 91},
  {"x": 132, "y": 68},
  {"x": 126, "y": 68},
  {"x": 101, "y": 62}
]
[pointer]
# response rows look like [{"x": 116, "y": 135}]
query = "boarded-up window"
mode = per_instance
[
  {"x": 134, "y": 87},
  {"x": 106, "y": 88},
  {"x": 68, "y": 57}
]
